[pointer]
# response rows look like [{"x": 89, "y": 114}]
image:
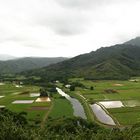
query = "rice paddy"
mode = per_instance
[
  {"x": 27, "y": 99},
  {"x": 23, "y": 102},
  {"x": 22, "y": 99},
  {"x": 120, "y": 98}
]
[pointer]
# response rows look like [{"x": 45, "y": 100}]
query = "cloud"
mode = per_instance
[
  {"x": 83, "y": 4},
  {"x": 68, "y": 24},
  {"x": 65, "y": 27},
  {"x": 76, "y": 3}
]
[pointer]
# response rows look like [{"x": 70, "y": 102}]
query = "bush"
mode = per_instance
[
  {"x": 91, "y": 88},
  {"x": 72, "y": 88}
]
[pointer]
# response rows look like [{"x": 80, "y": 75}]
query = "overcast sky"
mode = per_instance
[{"x": 65, "y": 27}]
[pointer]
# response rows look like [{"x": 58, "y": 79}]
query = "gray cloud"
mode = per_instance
[
  {"x": 66, "y": 24},
  {"x": 61, "y": 25},
  {"x": 75, "y": 3},
  {"x": 83, "y": 3}
]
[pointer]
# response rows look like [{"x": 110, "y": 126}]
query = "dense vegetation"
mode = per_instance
[
  {"x": 116, "y": 62},
  {"x": 22, "y": 64},
  {"x": 15, "y": 126}
]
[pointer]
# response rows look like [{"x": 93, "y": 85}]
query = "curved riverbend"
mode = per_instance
[
  {"x": 77, "y": 107},
  {"x": 101, "y": 115}
]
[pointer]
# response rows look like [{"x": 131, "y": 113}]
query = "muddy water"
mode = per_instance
[
  {"x": 101, "y": 115},
  {"x": 77, "y": 107}
]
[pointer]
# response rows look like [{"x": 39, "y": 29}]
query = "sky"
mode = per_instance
[{"x": 53, "y": 28}]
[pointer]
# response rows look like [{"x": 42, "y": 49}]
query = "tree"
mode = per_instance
[
  {"x": 72, "y": 88},
  {"x": 91, "y": 88},
  {"x": 43, "y": 92}
]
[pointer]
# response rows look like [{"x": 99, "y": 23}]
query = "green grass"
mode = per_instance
[
  {"x": 126, "y": 115},
  {"x": 128, "y": 90},
  {"x": 8, "y": 89},
  {"x": 61, "y": 108}
]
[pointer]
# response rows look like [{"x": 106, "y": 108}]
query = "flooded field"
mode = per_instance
[
  {"x": 2, "y": 106},
  {"x": 2, "y": 96},
  {"x": 112, "y": 104},
  {"x": 23, "y": 102},
  {"x": 77, "y": 107},
  {"x": 131, "y": 103},
  {"x": 101, "y": 115},
  {"x": 34, "y": 94},
  {"x": 1, "y": 84}
]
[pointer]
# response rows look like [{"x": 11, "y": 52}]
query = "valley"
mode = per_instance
[
  {"x": 119, "y": 99},
  {"x": 96, "y": 94}
]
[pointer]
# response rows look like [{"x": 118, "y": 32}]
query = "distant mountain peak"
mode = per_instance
[{"x": 135, "y": 41}]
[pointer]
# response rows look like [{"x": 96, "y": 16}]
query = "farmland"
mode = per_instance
[
  {"x": 124, "y": 92},
  {"x": 127, "y": 92},
  {"x": 11, "y": 95},
  {"x": 61, "y": 107}
]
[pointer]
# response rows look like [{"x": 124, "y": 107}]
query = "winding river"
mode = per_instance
[{"x": 77, "y": 107}]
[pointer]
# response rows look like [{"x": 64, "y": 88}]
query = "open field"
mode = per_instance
[
  {"x": 12, "y": 93},
  {"x": 127, "y": 115},
  {"x": 61, "y": 107},
  {"x": 127, "y": 92},
  {"x": 24, "y": 99}
]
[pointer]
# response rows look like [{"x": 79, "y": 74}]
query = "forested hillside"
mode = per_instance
[
  {"x": 116, "y": 62},
  {"x": 27, "y": 63}
]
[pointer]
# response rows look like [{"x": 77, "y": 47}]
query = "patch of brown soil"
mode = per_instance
[
  {"x": 38, "y": 108},
  {"x": 118, "y": 85},
  {"x": 110, "y": 91},
  {"x": 43, "y": 99}
]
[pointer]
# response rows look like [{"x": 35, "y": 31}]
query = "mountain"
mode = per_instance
[
  {"x": 27, "y": 63},
  {"x": 116, "y": 62},
  {"x": 5, "y": 57},
  {"x": 135, "y": 41}
]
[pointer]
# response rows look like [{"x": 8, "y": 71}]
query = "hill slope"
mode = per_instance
[
  {"x": 135, "y": 41},
  {"x": 115, "y": 62},
  {"x": 27, "y": 63}
]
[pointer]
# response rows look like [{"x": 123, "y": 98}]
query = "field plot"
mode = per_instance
[
  {"x": 22, "y": 99},
  {"x": 120, "y": 98},
  {"x": 127, "y": 115},
  {"x": 61, "y": 107}
]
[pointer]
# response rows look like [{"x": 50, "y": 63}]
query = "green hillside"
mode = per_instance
[
  {"x": 116, "y": 62},
  {"x": 23, "y": 64}
]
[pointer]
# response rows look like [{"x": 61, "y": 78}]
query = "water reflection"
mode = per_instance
[
  {"x": 77, "y": 107},
  {"x": 101, "y": 115}
]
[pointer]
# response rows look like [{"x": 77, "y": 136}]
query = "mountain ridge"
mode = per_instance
[
  {"x": 120, "y": 61},
  {"x": 22, "y": 64},
  {"x": 135, "y": 41}
]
